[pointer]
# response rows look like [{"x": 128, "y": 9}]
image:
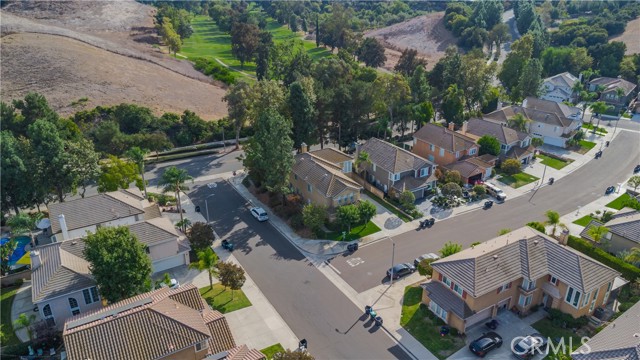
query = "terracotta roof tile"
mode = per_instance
[{"x": 444, "y": 138}]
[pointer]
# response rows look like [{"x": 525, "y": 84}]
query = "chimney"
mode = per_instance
[
  {"x": 464, "y": 127},
  {"x": 303, "y": 148},
  {"x": 564, "y": 237},
  {"x": 63, "y": 227},
  {"x": 451, "y": 126},
  {"x": 35, "y": 259}
]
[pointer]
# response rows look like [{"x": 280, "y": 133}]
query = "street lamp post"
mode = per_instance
[{"x": 393, "y": 254}]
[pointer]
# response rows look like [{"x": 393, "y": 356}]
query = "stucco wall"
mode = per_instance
[{"x": 61, "y": 310}]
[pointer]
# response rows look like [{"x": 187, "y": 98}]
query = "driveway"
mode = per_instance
[{"x": 510, "y": 327}]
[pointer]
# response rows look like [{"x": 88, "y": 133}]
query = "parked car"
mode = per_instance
[
  {"x": 610, "y": 190},
  {"x": 636, "y": 169},
  {"x": 487, "y": 342},
  {"x": 530, "y": 346},
  {"x": 400, "y": 270},
  {"x": 259, "y": 213},
  {"x": 425, "y": 256}
]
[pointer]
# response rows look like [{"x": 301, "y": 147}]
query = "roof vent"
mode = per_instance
[
  {"x": 636, "y": 335},
  {"x": 73, "y": 242},
  {"x": 535, "y": 242},
  {"x": 495, "y": 257}
]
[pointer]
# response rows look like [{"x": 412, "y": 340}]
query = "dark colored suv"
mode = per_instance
[
  {"x": 487, "y": 342},
  {"x": 400, "y": 270}
]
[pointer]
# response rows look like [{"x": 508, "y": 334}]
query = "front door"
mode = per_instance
[{"x": 546, "y": 300}]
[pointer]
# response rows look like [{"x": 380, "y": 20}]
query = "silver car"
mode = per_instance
[{"x": 259, "y": 213}]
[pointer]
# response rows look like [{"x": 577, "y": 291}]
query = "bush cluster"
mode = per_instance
[
  {"x": 627, "y": 270},
  {"x": 215, "y": 70}
]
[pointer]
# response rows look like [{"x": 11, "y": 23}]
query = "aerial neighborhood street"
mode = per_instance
[{"x": 281, "y": 180}]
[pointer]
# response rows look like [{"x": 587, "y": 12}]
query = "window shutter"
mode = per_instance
[
  {"x": 440, "y": 277},
  {"x": 464, "y": 294},
  {"x": 452, "y": 284},
  {"x": 509, "y": 286},
  {"x": 548, "y": 277},
  {"x": 498, "y": 291}
]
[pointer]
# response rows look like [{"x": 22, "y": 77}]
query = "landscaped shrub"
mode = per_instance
[
  {"x": 424, "y": 267},
  {"x": 627, "y": 270},
  {"x": 161, "y": 199},
  {"x": 537, "y": 225},
  {"x": 297, "y": 222},
  {"x": 564, "y": 320},
  {"x": 511, "y": 166},
  {"x": 215, "y": 70}
]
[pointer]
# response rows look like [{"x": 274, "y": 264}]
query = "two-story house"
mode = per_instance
[
  {"x": 515, "y": 271},
  {"x": 609, "y": 93},
  {"x": 553, "y": 122},
  {"x": 395, "y": 170},
  {"x": 323, "y": 177},
  {"x": 443, "y": 145},
  {"x": 513, "y": 144},
  {"x": 558, "y": 88},
  {"x": 624, "y": 231},
  {"x": 167, "y": 324}
]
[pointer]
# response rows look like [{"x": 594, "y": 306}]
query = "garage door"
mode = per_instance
[
  {"x": 168, "y": 263},
  {"x": 554, "y": 141},
  {"x": 478, "y": 317}
]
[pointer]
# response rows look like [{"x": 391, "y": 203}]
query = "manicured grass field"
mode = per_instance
[
  {"x": 357, "y": 232},
  {"x": 209, "y": 42},
  {"x": 272, "y": 350},
  {"x": 221, "y": 299},
  {"x": 425, "y": 326},
  {"x": 618, "y": 202},
  {"x": 586, "y": 146},
  {"x": 584, "y": 221},
  {"x": 599, "y": 131},
  {"x": 554, "y": 163},
  {"x": 517, "y": 180},
  {"x": 6, "y": 300}
]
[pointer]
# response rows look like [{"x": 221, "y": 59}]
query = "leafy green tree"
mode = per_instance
[
  {"x": 597, "y": 233},
  {"x": 453, "y": 105},
  {"x": 424, "y": 267},
  {"x": 173, "y": 180},
  {"x": 515, "y": 62},
  {"x": 503, "y": 232},
  {"x": 633, "y": 256},
  {"x": 479, "y": 190},
  {"x": 138, "y": 155},
  {"x": 476, "y": 78},
  {"x": 453, "y": 177},
  {"x": 367, "y": 210},
  {"x": 200, "y": 236},
  {"x": 409, "y": 62},
  {"x": 450, "y": 248},
  {"x": 371, "y": 52},
  {"x": 537, "y": 142},
  {"x": 451, "y": 189},
  {"x": 519, "y": 122},
  {"x": 407, "y": 200},
  {"x": 314, "y": 216},
  {"x": 244, "y": 41},
  {"x": 207, "y": 261},
  {"x": 118, "y": 174},
  {"x": 498, "y": 35},
  {"x": 598, "y": 108},
  {"x": 336, "y": 27},
  {"x": 348, "y": 215},
  {"x": 238, "y": 100},
  {"x": 33, "y": 107},
  {"x": 263, "y": 55},
  {"x": 634, "y": 182},
  {"x": 363, "y": 158},
  {"x": 25, "y": 321},
  {"x": 530, "y": 80},
  {"x": 118, "y": 263},
  {"x": 419, "y": 85},
  {"x": 423, "y": 113},
  {"x": 83, "y": 163},
  {"x": 6, "y": 250},
  {"x": 511, "y": 166},
  {"x": 302, "y": 115},
  {"x": 170, "y": 37},
  {"x": 489, "y": 145},
  {"x": 231, "y": 276},
  {"x": 553, "y": 219},
  {"x": 23, "y": 223},
  {"x": 293, "y": 23},
  {"x": 393, "y": 94},
  {"x": 13, "y": 193}
]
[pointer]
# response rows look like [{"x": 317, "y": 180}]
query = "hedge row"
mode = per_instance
[
  {"x": 215, "y": 70},
  {"x": 627, "y": 270}
]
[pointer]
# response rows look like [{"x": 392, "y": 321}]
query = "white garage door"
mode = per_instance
[
  {"x": 554, "y": 141},
  {"x": 168, "y": 263},
  {"x": 478, "y": 317}
]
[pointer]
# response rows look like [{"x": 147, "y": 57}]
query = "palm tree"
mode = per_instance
[
  {"x": 598, "y": 108},
  {"x": 597, "y": 233},
  {"x": 24, "y": 322},
  {"x": 184, "y": 224},
  {"x": 207, "y": 260},
  {"x": 363, "y": 158},
  {"x": 173, "y": 180},
  {"x": 553, "y": 218},
  {"x": 137, "y": 155},
  {"x": 24, "y": 223},
  {"x": 634, "y": 255},
  {"x": 518, "y": 122},
  {"x": 6, "y": 250}
]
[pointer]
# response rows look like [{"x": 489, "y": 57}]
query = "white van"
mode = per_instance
[{"x": 496, "y": 192}]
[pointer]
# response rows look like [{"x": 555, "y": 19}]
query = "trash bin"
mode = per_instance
[{"x": 197, "y": 208}]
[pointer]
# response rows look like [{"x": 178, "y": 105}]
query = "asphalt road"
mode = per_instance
[
  {"x": 307, "y": 301},
  {"x": 581, "y": 187}
]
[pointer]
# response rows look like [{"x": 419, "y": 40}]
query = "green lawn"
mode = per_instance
[
  {"x": 618, "y": 202},
  {"x": 6, "y": 300},
  {"x": 599, "y": 131},
  {"x": 388, "y": 206},
  {"x": 357, "y": 232},
  {"x": 517, "y": 180},
  {"x": 554, "y": 163},
  {"x": 547, "y": 329},
  {"x": 586, "y": 146},
  {"x": 584, "y": 221},
  {"x": 209, "y": 42},
  {"x": 425, "y": 326},
  {"x": 272, "y": 350},
  {"x": 221, "y": 299}
]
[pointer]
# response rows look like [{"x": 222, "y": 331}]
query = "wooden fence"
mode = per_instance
[{"x": 369, "y": 187}]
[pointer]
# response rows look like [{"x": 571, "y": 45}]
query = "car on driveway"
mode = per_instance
[
  {"x": 487, "y": 342},
  {"x": 425, "y": 256},
  {"x": 400, "y": 270},
  {"x": 610, "y": 190},
  {"x": 259, "y": 213},
  {"x": 529, "y": 346}
]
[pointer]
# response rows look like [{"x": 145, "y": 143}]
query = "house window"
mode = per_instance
[
  {"x": 90, "y": 295},
  {"x": 73, "y": 305},
  {"x": 555, "y": 129},
  {"x": 146, "y": 249},
  {"x": 607, "y": 236},
  {"x": 504, "y": 288},
  {"x": 458, "y": 289},
  {"x": 353, "y": 198},
  {"x": 347, "y": 167},
  {"x": 503, "y": 146},
  {"x": 374, "y": 167},
  {"x": 436, "y": 309},
  {"x": 394, "y": 177},
  {"x": 554, "y": 280},
  {"x": 528, "y": 284},
  {"x": 432, "y": 147},
  {"x": 472, "y": 151},
  {"x": 48, "y": 315},
  {"x": 446, "y": 280},
  {"x": 573, "y": 297},
  {"x": 593, "y": 302},
  {"x": 431, "y": 158},
  {"x": 424, "y": 172},
  {"x": 457, "y": 154},
  {"x": 295, "y": 176},
  {"x": 201, "y": 345},
  {"x": 309, "y": 187},
  {"x": 441, "y": 152},
  {"x": 525, "y": 301},
  {"x": 585, "y": 299},
  {"x": 606, "y": 295}
]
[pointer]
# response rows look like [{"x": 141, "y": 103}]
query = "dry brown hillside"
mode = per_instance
[
  {"x": 101, "y": 50},
  {"x": 631, "y": 37}
]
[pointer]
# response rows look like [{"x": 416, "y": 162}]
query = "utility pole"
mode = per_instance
[{"x": 393, "y": 254}]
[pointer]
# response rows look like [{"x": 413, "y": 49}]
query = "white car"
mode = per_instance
[{"x": 259, "y": 213}]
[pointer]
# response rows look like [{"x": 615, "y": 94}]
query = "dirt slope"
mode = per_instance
[{"x": 630, "y": 36}]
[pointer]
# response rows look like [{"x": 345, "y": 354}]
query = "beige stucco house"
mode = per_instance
[
  {"x": 558, "y": 88},
  {"x": 443, "y": 145},
  {"x": 521, "y": 269},
  {"x": 609, "y": 93},
  {"x": 624, "y": 231},
  {"x": 514, "y": 144}
]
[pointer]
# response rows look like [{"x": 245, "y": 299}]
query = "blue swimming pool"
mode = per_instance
[{"x": 22, "y": 241}]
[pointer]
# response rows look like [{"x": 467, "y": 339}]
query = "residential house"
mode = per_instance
[
  {"x": 473, "y": 169},
  {"x": 624, "y": 231},
  {"x": 620, "y": 340},
  {"x": 394, "y": 170},
  {"x": 521, "y": 269},
  {"x": 162, "y": 324},
  {"x": 558, "y": 88},
  {"x": 514, "y": 144},
  {"x": 73, "y": 219},
  {"x": 322, "y": 177},
  {"x": 443, "y": 145},
  {"x": 553, "y": 122},
  {"x": 609, "y": 93}
]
